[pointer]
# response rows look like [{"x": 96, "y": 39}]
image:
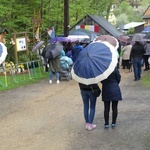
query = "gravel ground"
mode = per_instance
[{"x": 47, "y": 116}]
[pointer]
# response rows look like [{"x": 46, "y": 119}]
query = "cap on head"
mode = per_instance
[{"x": 4, "y": 31}]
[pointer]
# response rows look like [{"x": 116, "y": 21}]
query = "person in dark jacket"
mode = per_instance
[
  {"x": 136, "y": 57},
  {"x": 147, "y": 55},
  {"x": 76, "y": 50},
  {"x": 111, "y": 93},
  {"x": 89, "y": 101}
]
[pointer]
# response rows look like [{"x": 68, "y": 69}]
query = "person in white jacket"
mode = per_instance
[{"x": 126, "y": 56}]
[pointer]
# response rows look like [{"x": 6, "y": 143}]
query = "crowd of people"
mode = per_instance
[
  {"x": 131, "y": 53},
  {"x": 136, "y": 54},
  {"x": 71, "y": 51}
]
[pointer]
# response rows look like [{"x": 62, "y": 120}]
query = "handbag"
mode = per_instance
[{"x": 96, "y": 91}]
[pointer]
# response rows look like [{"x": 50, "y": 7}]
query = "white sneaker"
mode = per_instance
[
  {"x": 87, "y": 126},
  {"x": 50, "y": 81},
  {"x": 91, "y": 127},
  {"x": 58, "y": 82}
]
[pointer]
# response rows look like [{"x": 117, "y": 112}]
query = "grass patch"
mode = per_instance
[
  {"x": 17, "y": 80},
  {"x": 148, "y": 143},
  {"x": 146, "y": 80}
]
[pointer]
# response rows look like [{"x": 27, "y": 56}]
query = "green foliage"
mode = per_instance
[
  {"x": 130, "y": 14},
  {"x": 19, "y": 80},
  {"x": 17, "y": 15},
  {"x": 131, "y": 31},
  {"x": 122, "y": 19},
  {"x": 23, "y": 57}
]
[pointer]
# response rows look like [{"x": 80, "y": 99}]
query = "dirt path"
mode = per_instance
[{"x": 49, "y": 117}]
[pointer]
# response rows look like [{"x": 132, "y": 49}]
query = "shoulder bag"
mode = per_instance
[{"x": 96, "y": 91}]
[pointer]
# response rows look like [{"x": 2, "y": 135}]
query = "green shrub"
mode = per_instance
[{"x": 131, "y": 31}]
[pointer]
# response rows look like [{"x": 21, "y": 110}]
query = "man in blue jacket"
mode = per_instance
[{"x": 76, "y": 50}]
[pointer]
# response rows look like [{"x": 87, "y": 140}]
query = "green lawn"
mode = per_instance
[
  {"x": 35, "y": 75},
  {"x": 146, "y": 79},
  {"x": 17, "y": 80}
]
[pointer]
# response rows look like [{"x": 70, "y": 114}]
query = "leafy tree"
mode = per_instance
[
  {"x": 17, "y": 15},
  {"x": 122, "y": 19},
  {"x": 131, "y": 14}
]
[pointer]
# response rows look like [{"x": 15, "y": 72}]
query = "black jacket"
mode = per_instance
[
  {"x": 137, "y": 51},
  {"x": 88, "y": 87},
  {"x": 110, "y": 87}
]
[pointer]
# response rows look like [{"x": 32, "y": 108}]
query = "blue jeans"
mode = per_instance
[
  {"x": 137, "y": 68},
  {"x": 89, "y": 101},
  {"x": 51, "y": 75}
]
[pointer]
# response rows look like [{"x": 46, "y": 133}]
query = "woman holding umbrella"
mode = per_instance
[
  {"x": 89, "y": 69},
  {"x": 89, "y": 101}
]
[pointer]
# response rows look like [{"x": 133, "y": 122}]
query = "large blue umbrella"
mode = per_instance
[{"x": 94, "y": 63}]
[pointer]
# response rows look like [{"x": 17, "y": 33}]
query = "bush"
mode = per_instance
[{"x": 131, "y": 31}]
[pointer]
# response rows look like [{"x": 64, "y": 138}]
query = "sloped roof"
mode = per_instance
[
  {"x": 146, "y": 10},
  {"x": 146, "y": 17},
  {"x": 133, "y": 25},
  {"x": 112, "y": 30},
  {"x": 106, "y": 25}
]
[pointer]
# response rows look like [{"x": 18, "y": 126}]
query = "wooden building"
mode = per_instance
[
  {"x": 138, "y": 26},
  {"x": 146, "y": 16},
  {"x": 97, "y": 24}
]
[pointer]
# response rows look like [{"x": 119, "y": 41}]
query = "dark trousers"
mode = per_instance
[
  {"x": 146, "y": 57},
  {"x": 125, "y": 64},
  {"x": 137, "y": 67},
  {"x": 107, "y": 110}
]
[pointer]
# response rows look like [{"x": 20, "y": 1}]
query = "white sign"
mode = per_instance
[{"x": 21, "y": 44}]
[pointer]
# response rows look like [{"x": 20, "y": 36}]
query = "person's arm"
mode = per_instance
[
  {"x": 144, "y": 50},
  {"x": 117, "y": 75},
  {"x": 131, "y": 54}
]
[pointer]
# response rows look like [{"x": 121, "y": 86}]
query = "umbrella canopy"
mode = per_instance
[
  {"x": 94, "y": 63},
  {"x": 80, "y": 38},
  {"x": 3, "y": 52},
  {"x": 112, "y": 40},
  {"x": 53, "y": 50},
  {"x": 91, "y": 34},
  {"x": 146, "y": 29},
  {"x": 138, "y": 37},
  {"x": 37, "y": 45},
  {"x": 146, "y": 37},
  {"x": 62, "y": 39},
  {"x": 59, "y": 39},
  {"x": 124, "y": 38}
]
